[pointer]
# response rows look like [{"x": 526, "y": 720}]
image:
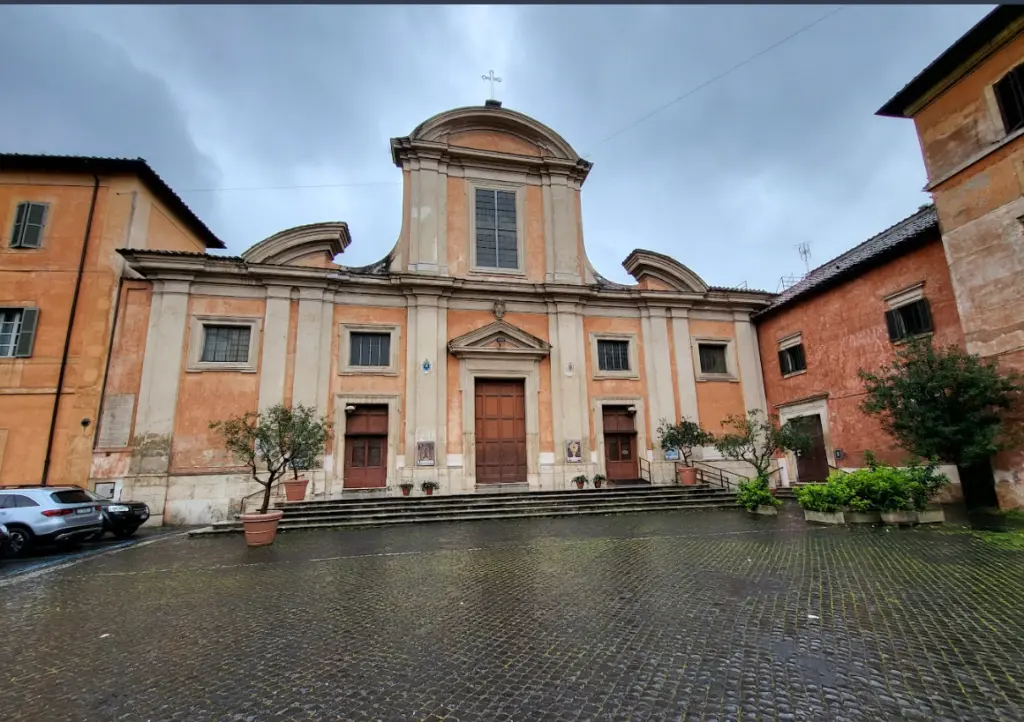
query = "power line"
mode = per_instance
[
  {"x": 289, "y": 187},
  {"x": 718, "y": 77}
]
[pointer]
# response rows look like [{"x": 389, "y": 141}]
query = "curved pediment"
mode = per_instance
[
  {"x": 465, "y": 122},
  {"x": 660, "y": 272},
  {"x": 499, "y": 338},
  {"x": 301, "y": 245}
]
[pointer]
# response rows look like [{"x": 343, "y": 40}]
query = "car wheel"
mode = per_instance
[
  {"x": 20, "y": 542},
  {"x": 125, "y": 532}
]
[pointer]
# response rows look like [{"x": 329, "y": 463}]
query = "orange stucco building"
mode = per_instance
[
  {"x": 63, "y": 219},
  {"x": 852, "y": 313},
  {"x": 968, "y": 109},
  {"x": 482, "y": 351}
]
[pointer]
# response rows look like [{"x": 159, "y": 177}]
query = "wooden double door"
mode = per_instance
[
  {"x": 620, "y": 461},
  {"x": 500, "y": 431},
  {"x": 366, "y": 448},
  {"x": 812, "y": 466}
]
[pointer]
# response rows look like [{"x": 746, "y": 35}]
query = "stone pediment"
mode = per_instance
[
  {"x": 663, "y": 272},
  {"x": 499, "y": 339}
]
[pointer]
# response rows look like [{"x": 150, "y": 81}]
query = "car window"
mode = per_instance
[
  {"x": 6, "y": 501},
  {"x": 20, "y": 500},
  {"x": 70, "y": 496}
]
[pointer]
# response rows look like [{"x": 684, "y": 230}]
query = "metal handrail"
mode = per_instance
[{"x": 650, "y": 476}]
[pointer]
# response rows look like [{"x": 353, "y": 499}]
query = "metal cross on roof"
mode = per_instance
[{"x": 493, "y": 79}]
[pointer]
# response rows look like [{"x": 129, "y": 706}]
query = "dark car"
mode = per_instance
[{"x": 120, "y": 518}]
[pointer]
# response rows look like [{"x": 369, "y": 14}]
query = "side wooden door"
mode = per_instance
[
  {"x": 366, "y": 448},
  {"x": 620, "y": 458}
]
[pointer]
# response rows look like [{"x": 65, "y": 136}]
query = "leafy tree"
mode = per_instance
[
  {"x": 270, "y": 441},
  {"x": 942, "y": 403},
  {"x": 683, "y": 436},
  {"x": 756, "y": 439}
]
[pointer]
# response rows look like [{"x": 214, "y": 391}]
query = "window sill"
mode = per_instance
[
  {"x": 368, "y": 371},
  {"x": 718, "y": 377},
  {"x": 604, "y": 375},
  {"x": 794, "y": 373},
  {"x": 237, "y": 368},
  {"x": 514, "y": 272},
  {"x": 908, "y": 339}
]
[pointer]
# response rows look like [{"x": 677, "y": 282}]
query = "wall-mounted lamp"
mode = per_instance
[
  {"x": 349, "y": 409},
  {"x": 631, "y": 409}
]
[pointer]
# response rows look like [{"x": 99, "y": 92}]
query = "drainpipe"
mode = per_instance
[
  {"x": 110, "y": 350},
  {"x": 71, "y": 326}
]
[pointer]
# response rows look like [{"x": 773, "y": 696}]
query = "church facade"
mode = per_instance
[{"x": 482, "y": 351}]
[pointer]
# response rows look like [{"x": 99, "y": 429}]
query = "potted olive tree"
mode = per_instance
[
  {"x": 682, "y": 437},
  {"x": 266, "y": 442},
  {"x": 309, "y": 440}
]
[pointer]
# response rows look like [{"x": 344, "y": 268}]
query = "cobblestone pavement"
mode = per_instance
[{"x": 677, "y": 616}]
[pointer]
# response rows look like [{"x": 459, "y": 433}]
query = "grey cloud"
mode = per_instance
[
  {"x": 782, "y": 151},
  {"x": 67, "y": 91}
]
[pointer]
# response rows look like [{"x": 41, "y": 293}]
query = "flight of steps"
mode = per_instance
[
  {"x": 387, "y": 511},
  {"x": 788, "y": 492}
]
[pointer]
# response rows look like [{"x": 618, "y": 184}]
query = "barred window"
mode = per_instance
[
  {"x": 369, "y": 349},
  {"x": 226, "y": 344},
  {"x": 712, "y": 358},
  {"x": 496, "y": 240},
  {"x": 613, "y": 355}
]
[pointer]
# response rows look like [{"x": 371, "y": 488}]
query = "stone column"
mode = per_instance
[
  {"x": 569, "y": 389},
  {"x": 426, "y": 391},
  {"x": 161, "y": 373},
  {"x": 749, "y": 362},
  {"x": 661, "y": 402},
  {"x": 274, "y": 353}
]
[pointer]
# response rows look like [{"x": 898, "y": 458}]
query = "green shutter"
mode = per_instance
[
  {"x": 35, "y": 219},
  {"x": 926, "y": 316},
  {"x": 19, "y": 224},
  {"x": 27, "y": 333},
  {"x": 784, "y": 362},
  {"x": 893, "y": 324}
]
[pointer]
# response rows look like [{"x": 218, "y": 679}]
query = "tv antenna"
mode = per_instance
[{"x": 804, "y": 249}]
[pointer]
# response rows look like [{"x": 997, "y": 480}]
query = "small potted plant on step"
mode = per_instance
[
  {"x": 406, "y": 487},
  {"x": 580, "y": 481},
  {"x": 428, "y": 487},
  {"x": 598, "y": 480},
  {"x": 682, "y": 437},
  {"x": 754, "y": 496},
  {"x": 266, "y": 442}
]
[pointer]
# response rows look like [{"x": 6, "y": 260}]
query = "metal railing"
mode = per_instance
[
  {"x": 706, "y": 473},
  {"x": 645, "y": 465}
]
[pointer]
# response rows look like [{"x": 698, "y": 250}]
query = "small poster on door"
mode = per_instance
[
  {"x": 424, "y": 453},
  {"x": 574, "y": 451}
]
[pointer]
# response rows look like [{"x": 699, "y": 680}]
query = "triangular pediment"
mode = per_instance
[{"x": 499, "y": 338}]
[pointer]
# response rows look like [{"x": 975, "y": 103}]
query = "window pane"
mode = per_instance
[
  {"x": 496, "y": 239},
  {"x": 712, "y": 358},
  {"x": 506, "y": 203},
  {"x": 225, "y": 344},
  {"x": 10, "y": 325},
  {"x": 369, "y": 349},
  {"x": 486, "y": 249},
  {"x": 485, "y": 209},
  {"x": 507, "y": 256},
  {"x": 71, "y": 496},
  {"x": 613, "y": 355}
]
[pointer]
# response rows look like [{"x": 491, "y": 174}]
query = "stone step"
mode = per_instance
[
  {"x": 465, "y": 501},
  {"x": 235, "y": 527},
  {"x": 512, "y": 506}
]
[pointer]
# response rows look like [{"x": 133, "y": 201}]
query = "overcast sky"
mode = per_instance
[{"x": 729, "y": 180}]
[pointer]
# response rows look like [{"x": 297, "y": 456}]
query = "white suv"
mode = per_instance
[{"x": 62, "y": 515}]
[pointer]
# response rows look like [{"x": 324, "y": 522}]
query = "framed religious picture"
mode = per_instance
[
  {"x": 574, "y": 451},
  {"x": 672, "y": 455},
  {"x": 424, "y": 453}
]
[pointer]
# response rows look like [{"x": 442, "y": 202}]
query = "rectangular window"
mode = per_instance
[
  {"x": 369, "y": 349},
  {"x": 792, "y": 359},
  {"x": 28, "y": 225},
  {"x": 909, "y": 320},
  {"x": 1010, "y": 94},
  {"x": 17, "y": 331},
  {"x": 712, "y": 358},
  {"x": 496, "y": 239},
  {"x": 613, "y": 355},
  {"x": 226, "y": 344}
]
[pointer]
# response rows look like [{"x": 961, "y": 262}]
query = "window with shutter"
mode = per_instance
[
  {"x": 29, "y": 220},
  {"x": 1009, "y": 93},
  {"x": 791, "y": 359},
  {"x": 17, "y": 331},
  {"x": 911, "y": 319},
  {"x": 496, "y": 237}
]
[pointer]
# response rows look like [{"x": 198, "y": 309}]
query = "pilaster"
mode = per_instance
[
  {"x": 275, "y": 346},
  {"x": 684, "y": 366},
  {"x": 658, "y": 370},
  {"x": 308, "y": 348},
  {"x": 750, "y": 363}
]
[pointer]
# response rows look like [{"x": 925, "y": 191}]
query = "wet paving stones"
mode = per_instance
[{"x": 708, "y": 616}]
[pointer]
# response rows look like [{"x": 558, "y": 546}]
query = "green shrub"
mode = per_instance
[
  {"x": 877, "y": 487},
  {"x": 753, "y": 493},
  {"x": 829, "y": 497}
]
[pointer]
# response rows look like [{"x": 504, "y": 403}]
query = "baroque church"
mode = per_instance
[{"x": 483, "y": 351}]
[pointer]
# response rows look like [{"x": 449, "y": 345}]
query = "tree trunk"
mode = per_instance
[{"x": 266, "y": 496}]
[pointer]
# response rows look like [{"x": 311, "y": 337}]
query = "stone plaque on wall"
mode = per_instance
[
  {"x": 574, "y": 451},
  {"x": 116, "y": 421},
  {"x": 424, "y": 453}
]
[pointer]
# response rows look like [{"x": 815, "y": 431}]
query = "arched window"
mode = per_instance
[{"x": 1010, "y": 94}]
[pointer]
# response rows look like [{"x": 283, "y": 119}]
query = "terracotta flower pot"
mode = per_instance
[
  {"x": 405, "y": 491},
  {"x": 295, "y": 490},
  {"x": 687, "y": 475},
  {"x": 260, "y": 529},
  {"x": 579, "y": 484},
  {"x": 597, "y": 484},
  {"x": 429, "y": 491}
]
